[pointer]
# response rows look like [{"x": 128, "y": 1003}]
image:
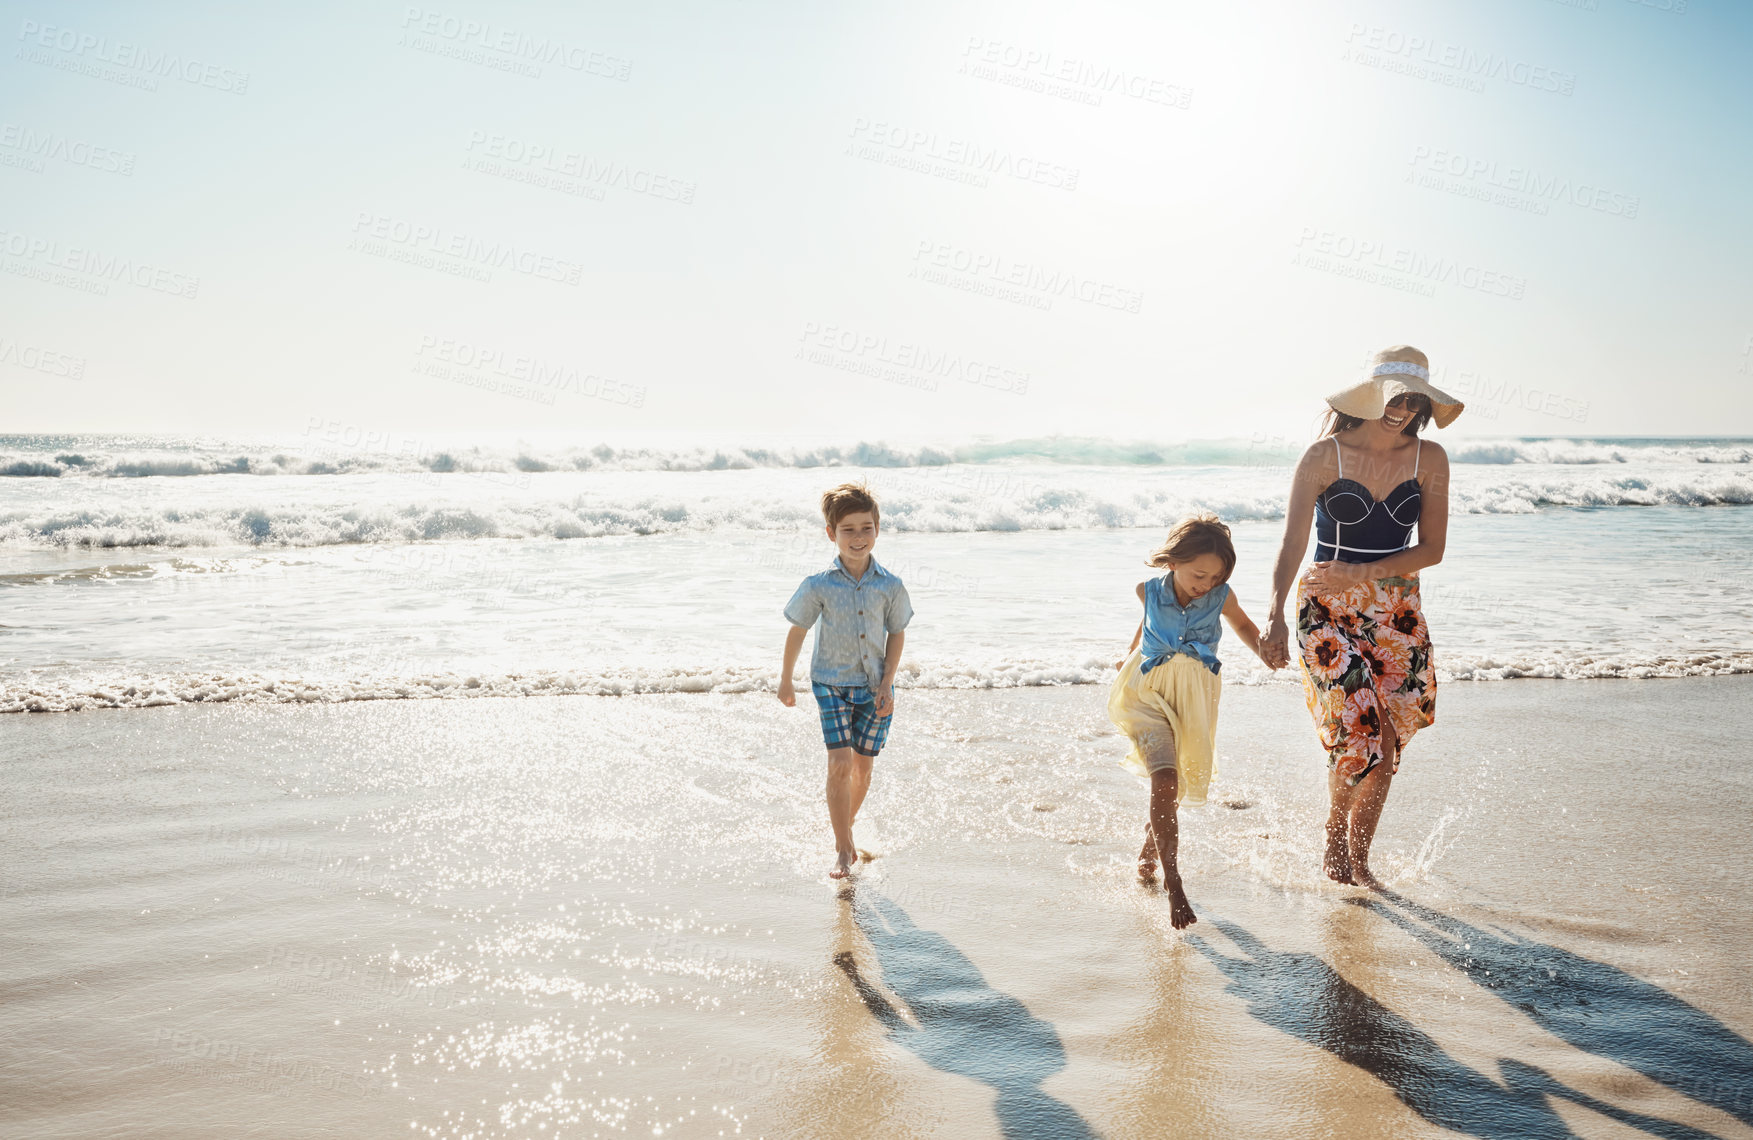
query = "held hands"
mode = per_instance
[
  {"x": 787, "y": 693},
  {"x": 885, "y": 703},
  {"x": 1275, "y": 649}
]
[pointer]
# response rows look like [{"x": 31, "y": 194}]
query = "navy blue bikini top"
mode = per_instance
[{"x": 1351, "y": 525}]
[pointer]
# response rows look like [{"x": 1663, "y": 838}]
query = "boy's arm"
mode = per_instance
[
  {"x": 897, "y": 613},
  {"x": 802, "y": 611},
  {"x": 1246, "y": 630},
  {"x": 891, "y": 665},
  {"x": 793, "y": 643}
]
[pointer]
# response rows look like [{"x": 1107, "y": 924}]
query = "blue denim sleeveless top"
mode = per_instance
[{"x": 1171, "y": 628}]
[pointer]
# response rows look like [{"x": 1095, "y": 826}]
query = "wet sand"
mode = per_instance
[{"x": 593, "y": 916}]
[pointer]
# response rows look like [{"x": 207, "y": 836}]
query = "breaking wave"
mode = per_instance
[
  {"x": 1034, "y": 502},
  {"x": 388, "y": 453}
]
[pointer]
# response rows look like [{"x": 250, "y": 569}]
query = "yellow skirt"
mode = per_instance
[{"x": 1175, "y": 701}]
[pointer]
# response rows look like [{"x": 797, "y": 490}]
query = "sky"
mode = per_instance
[{"x": 916, "y": 220}]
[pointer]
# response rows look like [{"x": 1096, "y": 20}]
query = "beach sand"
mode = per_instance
[{"x": 588, "y": 916}]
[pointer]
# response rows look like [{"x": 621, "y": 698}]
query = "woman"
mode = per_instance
[{"x": 1365, "y": 648}]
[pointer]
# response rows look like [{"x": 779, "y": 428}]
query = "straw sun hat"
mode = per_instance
[{"x": 1391, "y": 372}]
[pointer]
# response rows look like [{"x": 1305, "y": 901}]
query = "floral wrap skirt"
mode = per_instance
[{"x": 1366, "y": 663}]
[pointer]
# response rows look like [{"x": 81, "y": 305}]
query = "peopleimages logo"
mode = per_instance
[
  {"x": 1409, "y": 265},
  {"x": 378, "y": 233},
  {"x": 946, "y": 263},
  {"x": 516, "y": 47},
  {"x": 1521, "y": 180},
  {"x": 93, "y": 268},
  {"x": 1050, "y": 73},
  {"x": 516, "y": 373},
  {"x": 40, "y": 359},
  {"x": 912, "y": 365},
  {"x": 879, "y": 137},
  {"x": 84, "y": 46},
  {"x": 1464, "y": 61},
  {"x": 75, "y": 152},
  {"x": 575, "y": 166}
]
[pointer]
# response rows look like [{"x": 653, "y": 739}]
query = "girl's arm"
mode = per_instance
[
  {"x": 1137, "y": 635},
  {"x": 1433, "y": 534},
  {"x": 1246, "y": 630}
]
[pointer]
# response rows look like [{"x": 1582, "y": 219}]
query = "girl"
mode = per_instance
[
  {"x": 1366, "y": 657},
  {"x": 1165, "y": 698}
]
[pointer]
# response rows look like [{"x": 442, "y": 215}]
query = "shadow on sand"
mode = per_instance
[
  {"x": 1304, "y": 997},
  {"x": 1598, "y": 1008},
  {"x": 964, "y": 1026}
]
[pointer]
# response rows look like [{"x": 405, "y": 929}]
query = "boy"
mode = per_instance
[{"x": 859, "y": 603}]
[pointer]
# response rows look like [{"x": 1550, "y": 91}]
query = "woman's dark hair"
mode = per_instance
[{"x": 1336, "y": 422}]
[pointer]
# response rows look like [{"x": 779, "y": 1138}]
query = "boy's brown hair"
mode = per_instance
[
  {"x": 849, "y": 499},
  {"x": 1203, "y": 533}
]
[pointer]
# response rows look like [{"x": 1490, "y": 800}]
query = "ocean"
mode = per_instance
[{"x": 342, "y": 566}]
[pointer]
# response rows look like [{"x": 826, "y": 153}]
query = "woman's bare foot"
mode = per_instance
[
  {"x": 1337, "y": 861},
  {"x": 1181, "y": 914},
  {"x": 843, "y": 864},
  {"x": 1360, "y": 876}
]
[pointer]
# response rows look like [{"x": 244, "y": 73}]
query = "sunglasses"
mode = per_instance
[{"x": 1409, "y": 402}]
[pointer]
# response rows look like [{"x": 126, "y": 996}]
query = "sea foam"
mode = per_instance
[{"x": 98, "y": 690}]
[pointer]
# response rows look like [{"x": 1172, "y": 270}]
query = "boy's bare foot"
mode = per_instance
[
  {"x": 1337, "y": 861},
  {"x": 1181, "y": 914},
  {"x": 843, "y": 864}
]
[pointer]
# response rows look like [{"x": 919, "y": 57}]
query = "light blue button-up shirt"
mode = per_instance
[{"x": 857, "y": 617}]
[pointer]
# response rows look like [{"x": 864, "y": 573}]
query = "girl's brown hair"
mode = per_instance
[{"x": 1203, "y": 533}]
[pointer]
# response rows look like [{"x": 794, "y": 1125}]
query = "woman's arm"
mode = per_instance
[
  {"x": 1246, "y": 630},
  {"x": 1299, "y": 511},
  {"x": 1433, "y": 534}
]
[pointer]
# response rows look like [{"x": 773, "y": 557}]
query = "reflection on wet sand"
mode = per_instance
[
  {"x": 1596, "y": 1007},
  {"x": 1171, "y": 1060},
  {"x": 954, "y": 1021},
  {"x": 1301, "y": 995}
]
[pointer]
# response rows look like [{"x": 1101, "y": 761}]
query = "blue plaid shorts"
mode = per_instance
[{"x": 849, "y": 718}]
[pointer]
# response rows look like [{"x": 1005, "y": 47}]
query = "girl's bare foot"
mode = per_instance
[
  {"x": 1337, "y": 861},
  {"x": 1147, "y": 858},
  {"x": 843, "y": 864},
  {"x": 1181, "y": 914}
]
